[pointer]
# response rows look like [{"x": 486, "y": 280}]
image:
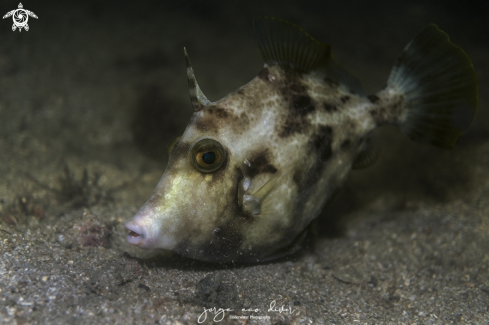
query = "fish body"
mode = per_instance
[{"x": 255, "y": 168}]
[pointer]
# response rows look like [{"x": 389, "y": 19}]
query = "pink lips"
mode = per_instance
[{"x": 136, "y": 234}]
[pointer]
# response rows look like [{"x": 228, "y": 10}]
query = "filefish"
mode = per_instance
[{"x": 253, "y": 170}]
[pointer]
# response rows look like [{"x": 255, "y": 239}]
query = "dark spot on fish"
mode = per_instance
[
  {"x": 297, "y": 177},
  {"x": 344, "y": 99},
  {"x": 299, "y": 103},
  {"x": 191, "y": 83},
  {"x": 263, "y": 74},
  {"x": 307, "y": 176},
  {"x": 240, "y": 91},
  {"x": 203, "y": 123},
  {"x": 212, "y": 120},
  {"x": 379, "y": 115},
  {"x": 294, "y": 85},
  {"x": 217, "y": 111},
  {"x": 346, "y": 144},
  {"x": 373, "y": 98},
  {"x": 291, "y": 127},
  {"x": 259, "y": 163},
  {"x": 329, "y": 107},
  {"x": 303, "y": 104},
  {"x": 321, "y": 142},
  {"x": 389, "y": 114}
]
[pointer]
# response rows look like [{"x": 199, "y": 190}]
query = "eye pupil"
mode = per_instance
[{"x": 209, "y": 157}]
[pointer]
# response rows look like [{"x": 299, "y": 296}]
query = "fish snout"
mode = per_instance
[
  {"x": 146, "y": 229},
  {"x": 143, "y": 228},
  {"x": 137, "y": 234}
]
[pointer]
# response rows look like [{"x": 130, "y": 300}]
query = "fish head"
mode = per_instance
[{"x": 194, "y": 209}]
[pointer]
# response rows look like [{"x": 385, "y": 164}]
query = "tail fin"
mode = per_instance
[{"x": 439, "y": 85}]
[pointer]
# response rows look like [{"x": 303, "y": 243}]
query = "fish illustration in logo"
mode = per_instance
[
  {"x": 20, "y": 17},
  {"x": 254, "y": 169}
]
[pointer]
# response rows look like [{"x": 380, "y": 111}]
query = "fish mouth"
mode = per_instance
[{"x": 136, "y": 233}]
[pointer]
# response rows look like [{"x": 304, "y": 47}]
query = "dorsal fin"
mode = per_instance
[
  {"x": 284, "y": 43},
  {"x": 197, "y": 97}
]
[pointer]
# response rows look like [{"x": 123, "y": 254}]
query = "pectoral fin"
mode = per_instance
[{"x": 256, "y": 203}]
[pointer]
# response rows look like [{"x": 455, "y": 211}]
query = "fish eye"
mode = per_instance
[{"x": 207, "y": 155}]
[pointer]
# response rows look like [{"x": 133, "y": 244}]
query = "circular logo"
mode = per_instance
[{"x": 20, "y": 18}]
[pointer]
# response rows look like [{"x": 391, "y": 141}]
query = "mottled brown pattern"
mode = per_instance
[
  {"x": 204, "y": 124},
  {"x": 345, "y": 145},
  {"x": 298, "y": 102},
  {"x": 260, "y": 163},
  {"x": 291, "y": 126},
  {"x": 387, "y": 110},
  {"x": 215, "y": 117},
  {"x": 320, "y": 143},
  {"x": 387, "y": 114},
  {"x": 374, "y": 99},
  {"x": 329, "y": 107},
  {"x": 217, "y": 112}
]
